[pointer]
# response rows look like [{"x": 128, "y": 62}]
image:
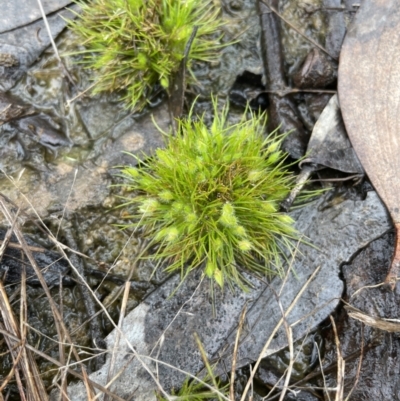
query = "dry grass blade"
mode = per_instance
[
  {"x": 212, "y": 388},
  {"x": 271, "y": 337},
  {"x": 89, "y": 390},
  {"x": 118, "y": 335},
  {"x": 61, "y": 348},
  {"x": 235, "y": 350},
  {"x": 322, "y": 372},
  {"x": 365, "y": 287},
  {"x": 289, "y": 334},
  {"x": 61, "y": 329},
  {"x": 207, "y": 365},
  {"x": 390, "y": 325},
  {"x": 11, "y": 373},
  {"x": 5, "y": 243},
  {"x": 46, "y": 23},
  {"x": 340, "y": 365},
  {"x": 23, "y": 360},
  {"x": 57, "y": 363}
]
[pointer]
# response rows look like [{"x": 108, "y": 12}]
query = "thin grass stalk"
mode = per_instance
[
  {"x": 176, "y": 315},
  {"x": 6, "y": 240},
  {"x": 131, "y": 347},
  {"x": 57, "y": 363},
  {"x": 235, "y": 350},
  {"x": 207, "y": 364},
  {"x": 15, "y": 348},
  {"x": 12, "y": 371},
  {"x": 278, "y": 325},
  {"x": 117, "y": 335},
  {"x": 63, "y": 387},
  {"x": 286, "y": 21},
  {"x": 326, "y": 390},
  {"x": 89, "y": 389},
  {"x": 340, "y": 364},
  {"x": 53, "y": 44},
  {"x": 61, "y": 329},
  {"x": 289, "y": 334},
  {"x": 16, "y": 371},
  {"x": 215, "y": 391},
  {"x": 61, "y": 348},
  {"x": 34, "y": 386}
]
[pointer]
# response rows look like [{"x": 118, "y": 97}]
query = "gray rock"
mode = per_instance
[
  {"x": 25, "y": 44},
  {"x": 12, "y": 18},
  {"x": 164, "y": 325},
  {"x": 90, "y": 183}
]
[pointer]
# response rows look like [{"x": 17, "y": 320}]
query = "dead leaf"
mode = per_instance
[{"x": 369, "y": 95}]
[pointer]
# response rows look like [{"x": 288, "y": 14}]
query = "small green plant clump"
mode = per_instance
[
  {"x": 191, "y": 390},
  {"x": 135, "y": 44},
  {"x": 211, "y": 199}
]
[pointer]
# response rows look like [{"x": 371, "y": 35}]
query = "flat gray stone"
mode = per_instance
[
  {"x": 88, "y": 185},
  {"x": 17, "y": 13},
  {"x": 27, "y": 43}
]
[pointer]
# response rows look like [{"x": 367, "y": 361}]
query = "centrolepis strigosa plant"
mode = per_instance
[{"x": 211, "y": 199}]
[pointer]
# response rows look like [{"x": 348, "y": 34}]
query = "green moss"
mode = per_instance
[
  {"x": 135, "y": 44},
  {"x": 211, "y": 199}
]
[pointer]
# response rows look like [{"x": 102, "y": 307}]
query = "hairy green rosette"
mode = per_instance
[
  {"x": 135, "y": 44},
  {"x": 211, "y": 199}
]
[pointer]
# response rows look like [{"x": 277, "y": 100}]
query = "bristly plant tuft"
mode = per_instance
[
  {"x": 136, "y": 44},
  {"x": 211, "y": 198}
]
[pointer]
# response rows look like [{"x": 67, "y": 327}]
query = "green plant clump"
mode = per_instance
[
  {"x": 193, "y": 391},
  {"x": 135, "y": 44},
  {"x": 211, "y": 199}
]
